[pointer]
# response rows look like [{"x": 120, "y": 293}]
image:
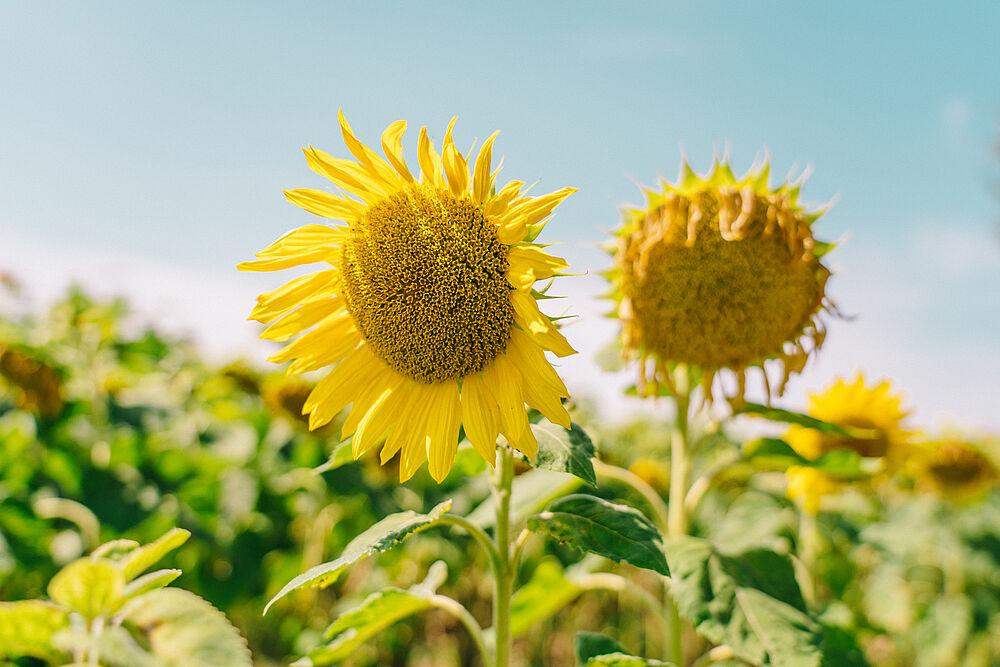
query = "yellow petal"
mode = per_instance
[
  {"x": 406, "y": 406},
  {"x": 482, "y": 182},
  {"x": 430, "y": 161},
  {"x": 513, "y": 225},
  {"x": 498, "y": 203},
  {"x": 336, "y": 390},
  {"x": 380, "y": 391},
  {"x": 457, "y": 170},
  {"x": 348, "y": 176},
  {"x": 529, "y": 263},
  {"x": 504, "y": 383},
  {"x": 537, "y": 325},
  {"x": 331, "y": 328},
  {"x": 480, "y": 417},
  {"x": 302, "y": 318},
  {"x": 527, "y": 350},
  {"x": 311, "y": 243},
  {"x": 526, "y": 443},
  {"x": 332, "y": 349},
  {"x": 442, "y": 439},
  {"x": 303, "y": 289},
  {"x": 380, "y": 417},
  {"x": 376, "y": 166},
  {"x": 392, "y": 146},
  {"x": 537, "y": 392},
  {"x": 323, "y": 204}
]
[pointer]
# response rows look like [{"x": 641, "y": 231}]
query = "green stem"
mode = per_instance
[
  {"x": 677, "y": 520},
  {"x": 622, "y": 586},
  {"x": 504, "y": 580},
  {"x": 808, "y": 543}
]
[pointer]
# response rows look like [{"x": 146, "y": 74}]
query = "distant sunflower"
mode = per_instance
[
  {"x": 719, "y": 273},
  {"x": 808, "y": 486},
  {"x": 875, "y": 412},
  {"x": 427, "y": 309},
  {"x": 958, "y": 469}
]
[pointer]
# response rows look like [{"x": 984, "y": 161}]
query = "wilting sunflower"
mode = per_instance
[
  {"x": 719, "y": 273},
  {"x": 957, "y": 469},
  {"x": 427, "y": 307},
  {"x": 875, "y": 414}
]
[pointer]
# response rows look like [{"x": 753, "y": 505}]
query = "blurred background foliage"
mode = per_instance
[{"x": 109, "y": 429}]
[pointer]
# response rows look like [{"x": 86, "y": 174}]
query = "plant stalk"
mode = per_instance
[
  {"x": 677, "y": 520},
  {"x": 504, "y": 575}
]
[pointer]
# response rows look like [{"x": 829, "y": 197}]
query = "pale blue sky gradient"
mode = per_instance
[{"x": 168, "y": 130}]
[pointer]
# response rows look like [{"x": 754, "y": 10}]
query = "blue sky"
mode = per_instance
[{"x": 165, "y": 132}]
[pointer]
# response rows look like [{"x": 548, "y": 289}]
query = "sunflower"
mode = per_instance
[
  {"x": 426, "y": 309},
  {"x": 875, "y": 413},
  {"x": 719, "y": 273},
  {"x": 958, "y": 469}
]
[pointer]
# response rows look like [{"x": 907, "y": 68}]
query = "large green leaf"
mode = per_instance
[
  {"x": 139, "y": 560},
  {"x": 750, "y": 602},
  {"x": 380, "y": 610},
  {"x": 790, "y": 417},
  {"x": 89, "y": 587},
  {"x": 565, "y": 451},
  {"x": 182, "y": 630},
  {"x": 542, "y": 597},
  {"x": 618, "y": 532},
  {"x": 27, "y": 626},
  {"x": 384, "y": 535}
]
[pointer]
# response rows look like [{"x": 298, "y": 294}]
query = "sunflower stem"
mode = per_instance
[
  {"x": 677, "y": 520},
  {"x": 504, "y": 575}
]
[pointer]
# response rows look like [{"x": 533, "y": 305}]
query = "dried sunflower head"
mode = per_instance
[{"x": 719, "y": 273}]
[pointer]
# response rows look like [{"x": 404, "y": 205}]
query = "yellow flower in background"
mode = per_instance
[
  {"x": 957, "y": 469},
  {"x": 808, "y": 486},
  {"x": 876, "y": 412},
  {"x": 426, "y": 310},
  {"x": 720, "y": 273}
]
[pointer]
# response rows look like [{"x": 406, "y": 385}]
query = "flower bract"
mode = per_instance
[{"x": 426, "y": 308}]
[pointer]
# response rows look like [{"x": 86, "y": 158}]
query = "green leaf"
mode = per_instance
[
  {"x": 341, "y": 455},
  {"x": 623, "y": 660},
  {"x": 592, "y": 644},
  {"x": 27, "y": 626},
  {"x": 380, "y": 610},
  {"x": 789, "y": 417},
  {"x": 542, "y": 597},
  {"x": 89, "y": 587},
  {"x": 139, "y": 560},
  {"x": 750, "y": 602},
  {"x": 183, "y": 630},
  {"x": 149, "y": 582},
  {"x": 384, "y": 535},
  {"x": 777, "y": 454},
  {"x": 618, "y": 532},
  {"x": 529, "y": 494},
  {"x": 565, "y": 451}
]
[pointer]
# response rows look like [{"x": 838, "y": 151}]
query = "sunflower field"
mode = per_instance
[{"x": 413, "y": 484}]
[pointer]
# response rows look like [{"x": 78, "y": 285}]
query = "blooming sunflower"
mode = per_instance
[
  {"x": 426, "y": 309},
  {"x": 719, "y": 273},
  {"x": 808, "y": 486},
  {"x": 876, "y": 412}
]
